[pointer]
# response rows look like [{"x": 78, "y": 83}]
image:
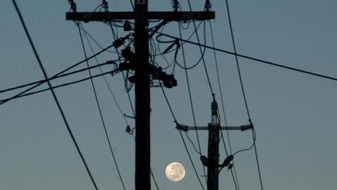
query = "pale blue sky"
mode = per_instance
[{"x": 293, "y": 113}]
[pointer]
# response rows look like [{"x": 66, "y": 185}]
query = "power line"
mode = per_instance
[
  {"x": 54, "y": 94},
  {"x": 99, "y": 108},
  {"x": 252, "y": 58},
  {"x": 234, "y": 175},
  {"x": 24, "y": 93},
  {"x": 191, "y": 101},
  {"x": 243, "y": 90},
  {"x": 54, "y": 76},
  {"x": 182, "y": 138},
  {"x": 203, "y": 60},
  {"x": 105, "y": 78},
  {"x": 237, "y": 60}
]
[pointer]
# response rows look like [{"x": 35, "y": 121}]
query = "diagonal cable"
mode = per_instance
[
  {"x": 234, "y": 174},
  {"x": 243, "y": 91},
  {"x": 191, "y": 101},
  {"x": 100, "y": 110},
  {"x": 182, "y": 137},
  {"x": 54, "y": 95}
]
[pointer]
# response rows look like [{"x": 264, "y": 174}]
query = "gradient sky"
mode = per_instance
[{"x": 293, "y": 113}]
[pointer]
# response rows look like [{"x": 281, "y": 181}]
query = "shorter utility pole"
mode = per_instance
[
  {"x": 213, "y": 149},
  {"x": 212, "y": 159}
]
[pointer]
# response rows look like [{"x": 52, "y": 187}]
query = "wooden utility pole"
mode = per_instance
[
  {"x": 213, "y": 149},
  {"x": 212, "y": 159},
  {"x": 142, "y": 95},
  {"x": 143, "y": 70}
]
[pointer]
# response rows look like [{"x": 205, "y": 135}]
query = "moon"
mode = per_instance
[{"x": 175, "y": 171}]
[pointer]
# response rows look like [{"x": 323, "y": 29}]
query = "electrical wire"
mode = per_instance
[
  {"x": 200, "y": 49},
  {"x": 237, "y": 60},
  {"x": 234, "y": 174},
  {"x": 253, "y": 59},
  {"x": 100, "y": 110},
  {"x": 55, "y": 76},
  {"x": 243, "y": 91},
  {"x": 93, "y": 39},
  {"x": 191, "y": 102},
  {"x": 115, "y": 37},
  {"x": 54, "y": 94},
  {"x": 182, "y": 137},
  {"x": 56, "y": 86},
  {"x": 106, "y": 82},
  {"x": 182, "y": 44}
]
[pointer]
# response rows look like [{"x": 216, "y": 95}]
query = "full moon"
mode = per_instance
[{"x": 175, "y": 171}]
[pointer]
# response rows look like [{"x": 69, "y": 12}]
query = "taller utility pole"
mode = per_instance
[
  {"x": 142, "y": 92},
  {"x": 143, "y": 70}
]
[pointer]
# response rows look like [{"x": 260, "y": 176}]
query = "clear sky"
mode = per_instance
[{"x": 293, "y": 113}]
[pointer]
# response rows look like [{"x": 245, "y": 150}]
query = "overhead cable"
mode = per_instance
[
  {"x": 56, "y": 86},
  {"x": 191, "y": 101},
  {"x": 201, "y": 52},
  {"x": 55, "y": 76},
  {"x": 234, "y": 174},
  {"x": 54, "y": 95},
  {"x": 182, "y": 138},
  {"x": 243, "y": 91},
  {"x": 252, "y": 58},
  {"x": 99, "y": 107}
]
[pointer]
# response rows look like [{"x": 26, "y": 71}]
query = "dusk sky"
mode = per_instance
[{"x": 293, "y": 112}]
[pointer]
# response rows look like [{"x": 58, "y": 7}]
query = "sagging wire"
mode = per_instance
[
  {"x": 234, "y": 174},
  {"x": 201, "y": 52},
  {"x": 191, "y": 102},
  {"x": 60, "y": 74},
  {"x": 182, "y": 137},
  {"x": 56, "y": 77},
  {"x": 94, "y": 40},
  {"x": 227, "y": 161},
  {"x": 158, "y": 38},
  {"x": 100, "y": 110},
  {"x": 252, "y": 58},
  {"x": 59, "y": 86},
  {"x": 107, "y": 84},
  {"x": 54, "y": 96},
  {"x": 243, "y": 92},
  {"x": 127, "y": 85}
]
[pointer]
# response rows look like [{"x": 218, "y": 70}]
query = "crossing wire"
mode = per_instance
[
  {"x": 54, "y": 94},
  {"x": 253, "y": 58},
  {"x": 87, "y": 36},
  {"x": 243, "y": 91},
  {"x": 22, "y": 93},
  {"x": 59, "y": 86},
  {"x": 100, "y": 110},
  {"x": 51, "y": 78},
  {"x": 182, "y": 137},
  {"x": 191, "y": 100},
  {"x": 234, "y": 174}
]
